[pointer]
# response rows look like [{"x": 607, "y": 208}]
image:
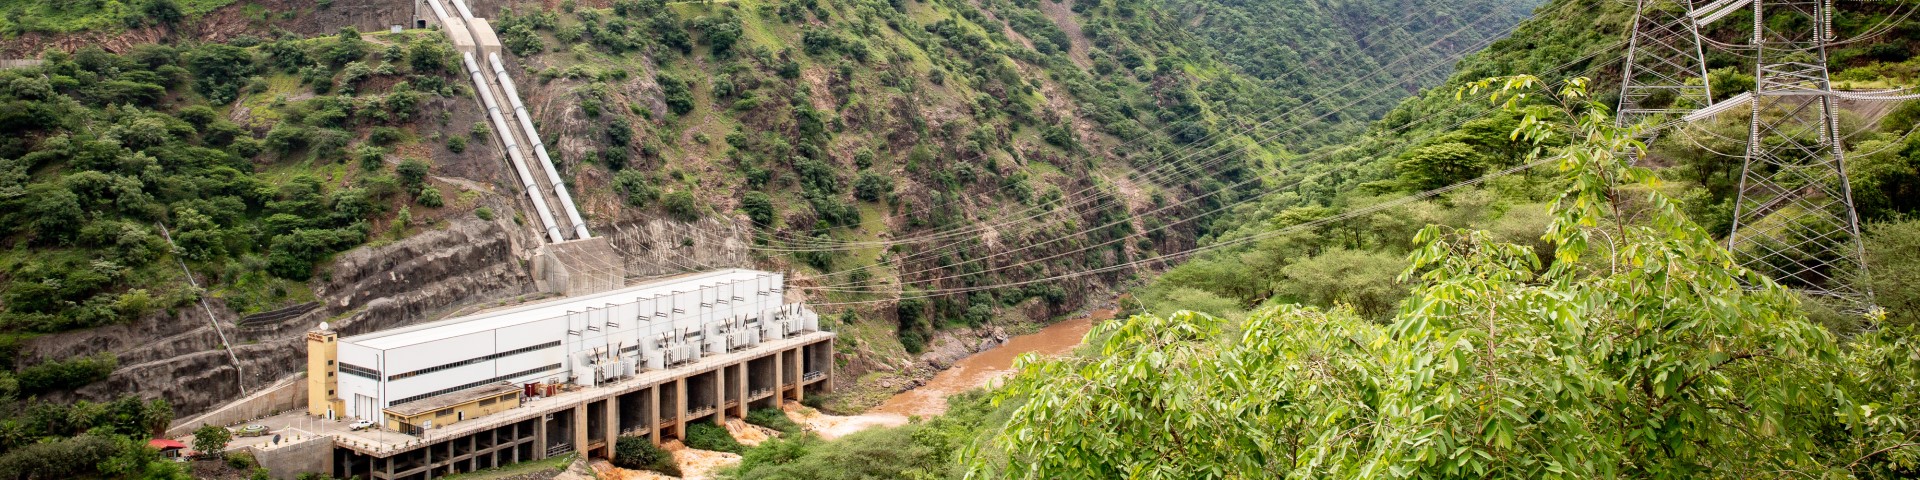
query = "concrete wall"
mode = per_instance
[
  {"x": 289, "y": 394},
  {"x": 287, "y": 462}
]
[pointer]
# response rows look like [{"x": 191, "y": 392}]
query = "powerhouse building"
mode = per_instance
[{"x": 401, "y": 378}]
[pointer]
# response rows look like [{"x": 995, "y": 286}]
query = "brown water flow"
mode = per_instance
[{"x": 979, "y": 369}]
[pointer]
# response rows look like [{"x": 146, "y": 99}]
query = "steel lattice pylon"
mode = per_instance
[
  {"x": 1794, "y": 219},
  {"x": 1665, "y": 74}
]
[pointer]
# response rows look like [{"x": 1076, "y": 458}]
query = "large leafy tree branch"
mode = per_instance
[{"x": 1640, "y": 349}]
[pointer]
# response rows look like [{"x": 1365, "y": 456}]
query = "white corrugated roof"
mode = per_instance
[{"x": 481, "y": 322}]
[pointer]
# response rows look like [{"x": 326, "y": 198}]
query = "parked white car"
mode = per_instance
[{"x": 359, "y": 425}]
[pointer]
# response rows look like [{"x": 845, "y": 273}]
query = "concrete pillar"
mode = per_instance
[
  {"x": 740, "y": 392},
  {"x": 720, "y": 396},
  {"x": 429, "y": 460},
  {"x": 799, "y": 372},
  {"x": 580, "y": 429},
  {"x": 540, "y": 437},
  {"x": 613, "y": 423},
  {"x": 826, "y": 385},
  {"x": 779, "y": 378},
  {"x": 680, "y": 406},
  {"x": 389, "y": 467},
  {"x": 653, "y": 414}
]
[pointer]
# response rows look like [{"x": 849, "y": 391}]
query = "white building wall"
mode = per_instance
[{"x": 692, "y": 314}]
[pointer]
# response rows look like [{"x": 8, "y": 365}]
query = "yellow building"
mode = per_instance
[
  {"x": 443, "y": 410},
  {"x": 323, "y": 351}
]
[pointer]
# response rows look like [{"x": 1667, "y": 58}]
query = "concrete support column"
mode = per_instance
[
  {"x": 826, "y": 385},
  {"x": 580, "y": 429},
  {"x": 653, "y": 414},
  {"x": 680, "y": 407},
  {"x": 428, "y": 460},
  {"x": 613, "y": 423},
  {"x": 389, "y": 467},
  {"x": 720, "y": 396},
  {"x": 539, "y": 437},
  {"x": 740, "y": 392},
  {"x": 779, "y": 379},
  {"x": 799, "y": 374}
]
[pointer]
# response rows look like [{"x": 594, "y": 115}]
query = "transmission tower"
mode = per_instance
[
  {"x": 1665, "y": 74},
  {"x": 1794, "y": 219}
]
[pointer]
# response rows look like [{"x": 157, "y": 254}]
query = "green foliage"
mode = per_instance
[
  {"x": 679, "y": 96},
  {"x": 430, "y": 198},
  {"x": 635, "y": 188},
  {"x": 872, "y": 187},
  {"x": 759, "y": 208},
  {"x": 637, "y": 453},
  {"x": 483, "y": 213},
  {"x": 211, "y": 439},
  {"x": 920, "y": 450},
  {"x": 457, "y": 144},
  {"x": 413, "y": 174},
  {"x": 682, "y": 205},
  {"x": 773, "y": 418},
  {"x": 708, "y": 436},
  {"x": 1891, "y": 267},
  {"x": 65, "y": 375},
  {"x": 1624, "y": 358}
]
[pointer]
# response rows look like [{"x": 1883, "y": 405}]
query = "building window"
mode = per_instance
[
  {"x": 329, "y": 363},
  {"x": 329, "y": 374}
]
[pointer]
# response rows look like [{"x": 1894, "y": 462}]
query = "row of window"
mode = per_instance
[
  {"x": 498, "y": 379},
  {"x": 472, "y": 361},
  {"x": 359, "y": 371}
]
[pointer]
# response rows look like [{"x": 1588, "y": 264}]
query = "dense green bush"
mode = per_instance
[
  {"x": 759, "y": 208},
  {"x": 65, "y": 375},
  {"x": 773, "y": 418},
  {"x": 638, "y": 453},
  {"x": 635, "y": 188},
  {"x": 682, "y": 205},
  {"x": 872, "y": 186},
  {"x": 708, "y": 436}
]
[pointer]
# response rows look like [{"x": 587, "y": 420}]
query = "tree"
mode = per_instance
[
  {"x": 682, "y": 205},
  {"x": 413, "y": 174},
  {"x": 1891, "y": 269},
  {"x": 871, "y": 186},
  {"x": 759, "y": 208},
  {"x": 1438, "y": 165},
  {"x": 1643, "y": 351},
  {"x": 634, "y": 187},
  {"x": 211, "y": 440}
]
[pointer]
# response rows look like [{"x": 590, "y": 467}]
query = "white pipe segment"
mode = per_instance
[
  {"x": 438, "y": 10},
  {"x": 500, "y": 127},
  {"x": 462, "y": 7},
  {"x": 539, "y": 147}
]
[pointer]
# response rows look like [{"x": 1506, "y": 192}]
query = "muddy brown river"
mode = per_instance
[{"x": 979, "y": 369}]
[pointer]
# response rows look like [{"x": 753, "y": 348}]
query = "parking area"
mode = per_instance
[{"x": 295, "y": 426}]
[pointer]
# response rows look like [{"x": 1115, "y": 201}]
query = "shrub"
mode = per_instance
[
  {"x": 633, "y": 185},
  {"x": 430, "y": 198},
  {"x": 413, "y": 174},
  {"x": 457, "y": 144},
  {"x": 636, "y": 453},
  {"x": 707, "y": 436},
  {"x": 484, "y": 213},
  {"x": 681, "y": 205},
  {"x": 775, "y": 419},
  {"x": 211, "y": 439},
  {"x": 385, "y": 135},
  {"x": 678, "y": 95},
  {"x": 872, "y": 186},
  {"x": 759, "y": 208},
  {"x": 66, "y": 374},
  {"x": 480, "y": 130}
]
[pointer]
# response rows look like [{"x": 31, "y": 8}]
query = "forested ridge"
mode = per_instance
[{"x": 1550, "y": 312}]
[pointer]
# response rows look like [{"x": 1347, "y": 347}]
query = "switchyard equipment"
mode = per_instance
[{"x": 585, "y": 341}]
